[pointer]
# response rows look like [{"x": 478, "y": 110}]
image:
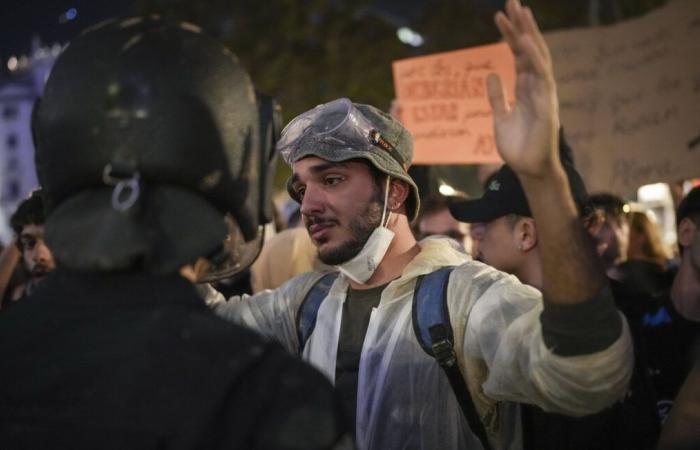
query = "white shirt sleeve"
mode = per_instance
[{"x": 501, "y": 320}]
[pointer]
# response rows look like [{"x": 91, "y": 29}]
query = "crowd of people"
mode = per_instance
[{"x": 534, "y": 317}]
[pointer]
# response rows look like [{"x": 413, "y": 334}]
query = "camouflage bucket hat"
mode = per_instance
[{"x": 341, "y": 130}]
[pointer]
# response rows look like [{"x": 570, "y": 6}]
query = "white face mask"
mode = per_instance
[{"x": 361, "y": 268}]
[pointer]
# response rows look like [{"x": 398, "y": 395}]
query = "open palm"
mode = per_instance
[{"x": 527, "y": 134}]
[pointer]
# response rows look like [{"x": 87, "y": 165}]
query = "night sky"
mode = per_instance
[{"x": 22, "y": 19}]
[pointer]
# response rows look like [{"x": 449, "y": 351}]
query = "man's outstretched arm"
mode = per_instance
[{"x": 527, "y": 136}]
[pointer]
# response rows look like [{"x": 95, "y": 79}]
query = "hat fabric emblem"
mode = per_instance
[{"x": 494, "y": 185}]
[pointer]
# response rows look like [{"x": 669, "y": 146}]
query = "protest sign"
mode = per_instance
[
  {"x": 629, "y": 98},
  {"x": 443, "y": 102}
]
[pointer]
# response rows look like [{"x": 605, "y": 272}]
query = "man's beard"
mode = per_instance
[{"x": 361, "y": 228}]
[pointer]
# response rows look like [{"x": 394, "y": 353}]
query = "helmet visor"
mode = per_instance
[{"x": 234, "y": 256}]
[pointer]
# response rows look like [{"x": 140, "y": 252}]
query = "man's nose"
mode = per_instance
[
  {"x": 312, "y": 202},
  {"x": 41, "y": 251}
]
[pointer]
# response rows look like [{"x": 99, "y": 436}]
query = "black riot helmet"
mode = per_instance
[{"x": 152, "y": 151}]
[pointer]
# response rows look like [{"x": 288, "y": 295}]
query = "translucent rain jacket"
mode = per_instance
[{"x": 404, "y": 400}]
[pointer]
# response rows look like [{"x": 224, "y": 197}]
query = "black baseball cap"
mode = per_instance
[
  {"x": 504, "y": 193},
  {"x": 689, "y": 206}
]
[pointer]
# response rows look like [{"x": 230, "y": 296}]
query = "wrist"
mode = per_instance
[{"x": 550, "y": 174}]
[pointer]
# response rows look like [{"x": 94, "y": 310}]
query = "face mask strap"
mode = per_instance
[{"x": 386, "y": 202}]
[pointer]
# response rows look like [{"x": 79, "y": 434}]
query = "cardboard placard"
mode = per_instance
[
  {"x": 629, "y": 98},
  {"x": 443, "y": 102}
]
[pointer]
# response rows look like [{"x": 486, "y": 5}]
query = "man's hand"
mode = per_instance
[{"x": 526, "y": 136}]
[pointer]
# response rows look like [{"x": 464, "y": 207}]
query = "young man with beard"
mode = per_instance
[
  {"x": 28, "y": 246},
  {"x": 349, "y": 165}
]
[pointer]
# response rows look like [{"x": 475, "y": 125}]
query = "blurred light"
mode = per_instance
[
  {"x": 56, "y": 49},
  {"x": 447, "y": 190},
  {"x": 626, "y": 208},
  {"x": 12, "y": 63},
  {"x": 41, "y": 53},
  {"x": 653, "y": 193},
  {"x": 409, "y": 37},
  {"x": 67, "y": 16},
  {"x": 652, "y": 216}
]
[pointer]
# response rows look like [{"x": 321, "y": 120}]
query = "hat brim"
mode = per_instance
[{"x": 479, "y": 210}]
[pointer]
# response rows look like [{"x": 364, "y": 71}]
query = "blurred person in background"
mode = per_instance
[
  {"x": 613, "y": 234},
  {"x": 645, "y": 241},
  {"x": 28, "y": 246},
  {"x": 664, "y": 307},
  {"x": 285, "y": 255},
  {"x": 645, "y": 276},
  {"x": 435, "y": 220}
]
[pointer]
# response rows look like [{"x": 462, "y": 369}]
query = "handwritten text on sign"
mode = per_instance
[
  {"x": 633, "y": 115},
  {"x": 443, "y": 102},
  {"x": 629, "y": 99}
]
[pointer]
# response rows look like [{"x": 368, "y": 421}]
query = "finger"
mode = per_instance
[
  {"x": 534, "y": 59},
  {"x": 506, "y": 28},
  {"x": 512, "y": 8},
  {"x": 497, "y": 96},
  {"x": 532, "y": 28},
  {"x": 515, "y": 11}
]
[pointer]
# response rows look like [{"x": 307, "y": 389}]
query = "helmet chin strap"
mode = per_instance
[{"x": 386, "y": 216}]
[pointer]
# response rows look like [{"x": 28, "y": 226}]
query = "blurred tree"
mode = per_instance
[{"x": 306, "y": 52}]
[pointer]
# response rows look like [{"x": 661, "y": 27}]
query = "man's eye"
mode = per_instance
[
  {"x": 332, "y": 181},
  {"x": 300, "y": 192}
]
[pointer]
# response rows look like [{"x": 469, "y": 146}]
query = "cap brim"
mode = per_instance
[{"x": 480, "y": 210}]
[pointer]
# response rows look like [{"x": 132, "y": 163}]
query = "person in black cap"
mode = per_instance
[
  {"x": 153, "y": 150},
  {"x": 508, "y": 237},
  {"x": 502, "y": 222},
  {"x": 349, "y": 166}
]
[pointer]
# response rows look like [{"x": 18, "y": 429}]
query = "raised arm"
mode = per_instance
[{"x": 527, "y": 138}]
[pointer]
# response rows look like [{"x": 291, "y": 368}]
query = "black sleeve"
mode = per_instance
[{"x": 583, "y": 328}]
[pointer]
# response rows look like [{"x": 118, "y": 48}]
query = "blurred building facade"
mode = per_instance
[{"x": 20, "y": 86}]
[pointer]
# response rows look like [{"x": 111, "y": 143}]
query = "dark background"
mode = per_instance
[{"x": 305, "y": 52}]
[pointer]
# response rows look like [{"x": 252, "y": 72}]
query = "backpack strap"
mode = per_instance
[
  {"x": 308, "y": 310},
  {"x": 431, "y": 324}
]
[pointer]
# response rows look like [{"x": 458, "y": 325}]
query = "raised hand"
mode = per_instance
[{"x": 526, "y": 135}]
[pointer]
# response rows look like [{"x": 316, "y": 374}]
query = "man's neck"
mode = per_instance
[
  {"x": 401, "y": 252},
  {"x": 685, "y": 291},
  {"x": 530, "y": 272}
]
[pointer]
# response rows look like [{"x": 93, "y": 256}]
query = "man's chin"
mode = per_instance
[
  {"x": 338, "y": 254},
  {"x": 39, "y": 275}
]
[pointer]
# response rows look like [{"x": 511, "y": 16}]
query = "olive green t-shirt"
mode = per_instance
[{"x": 357, "y": 309}]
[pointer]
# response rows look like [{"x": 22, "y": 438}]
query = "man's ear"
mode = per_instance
[
  {"x": 526, "y": 233},
  {"x": 686, "y": 231},
  {"x": 398, "y": 193}
]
